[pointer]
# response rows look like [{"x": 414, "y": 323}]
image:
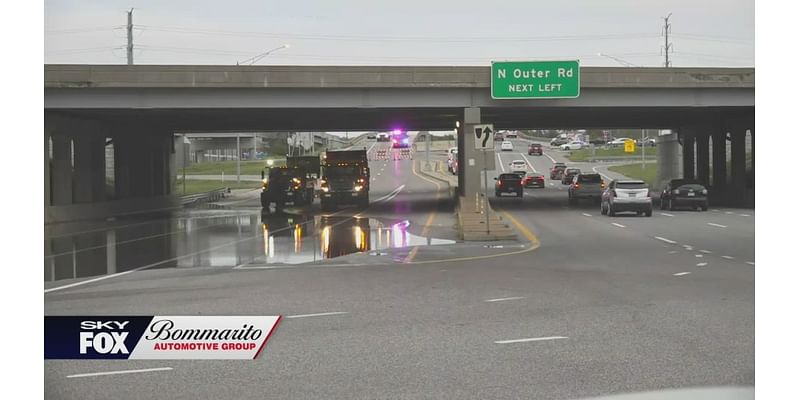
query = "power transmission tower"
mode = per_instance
[
  {"x": 667, "y": 45},
  {"x": 130, "y": 37}
]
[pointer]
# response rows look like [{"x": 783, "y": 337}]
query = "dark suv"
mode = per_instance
[
  {"x": 508, "y": 183},
  {"x": 535, "y": 148},
  {"x": 684, "y": 192}
]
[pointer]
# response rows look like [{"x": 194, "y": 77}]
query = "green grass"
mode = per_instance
[
  {"x": 229, "y": 167},
  {"x": 199, "y": 186},
  {"x": 635, "y": 171},
  {"x": 586, "y": 154}
]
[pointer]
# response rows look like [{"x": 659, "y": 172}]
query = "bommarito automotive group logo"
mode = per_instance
[{"x": 157, "y": 337}]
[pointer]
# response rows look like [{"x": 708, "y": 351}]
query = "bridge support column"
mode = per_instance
[
  {"x": 61, "y": 178},
  {"x": 669, "y": 159},
  {"x": 470, "y": 161},
  {"x": 687, "y": 138},
  {"x": 702, "y": 157},
  {"x": 89, "y": 168},
  {"x": 738, "y": 166},
  {"x": 719, "y": 150}
]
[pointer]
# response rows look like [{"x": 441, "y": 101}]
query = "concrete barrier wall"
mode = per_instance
[{"x": 77, "y": 212}]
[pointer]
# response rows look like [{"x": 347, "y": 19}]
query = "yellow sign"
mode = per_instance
[{"x": 630, "y": 146}]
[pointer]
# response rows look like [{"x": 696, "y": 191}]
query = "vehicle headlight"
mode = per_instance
[
  {"x": 358, "y": 188},
  {"x": 324, "y": 189},
  {"x": 704, "y": 191}
]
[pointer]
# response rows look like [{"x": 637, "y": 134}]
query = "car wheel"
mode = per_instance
[
  {"x": 496, "y": 194},
  {"x": 704, "y": 207},
  {"x": 670, "y": 206},
  {"x": 663, "y": 204},
  {"x": 648, "y": 213},
  {"x": 611, "y": 212},
  {"x": 519, "y": 194}
]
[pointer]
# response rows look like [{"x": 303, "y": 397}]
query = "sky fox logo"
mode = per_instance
[{"x": 103, "y": 342}]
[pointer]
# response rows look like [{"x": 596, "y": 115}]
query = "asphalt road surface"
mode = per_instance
[{"x": 582, "y": 305}]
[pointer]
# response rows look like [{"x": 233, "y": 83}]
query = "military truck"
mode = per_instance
[
  {"x": 345, "y": 179},
  {"x": 295, "y": 183}
]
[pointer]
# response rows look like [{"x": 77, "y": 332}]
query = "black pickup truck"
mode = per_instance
[{"x": 508, "y": 183}]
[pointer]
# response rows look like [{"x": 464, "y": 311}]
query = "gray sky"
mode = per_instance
[{"x": 408, "y": 32}]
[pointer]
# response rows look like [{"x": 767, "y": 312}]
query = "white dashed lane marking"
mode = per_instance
[
  {"x": 531, "y": 339},
  {"x": 666, "y": 240},
  {"x": 617, "y": 225},
  {"x": 717, "y": 225},
  {"x": 681, "y": 273}
]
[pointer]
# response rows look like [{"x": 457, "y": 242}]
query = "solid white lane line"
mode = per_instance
[
  {"x": 698, "y": 255},
  {"x": 705, "y": 251},
  {"x": 602, "y": 174},
  {"x": 502, "y": 168},
  {"x": 702, "y": 264},
  {"x": 530, "y": 339},
  {"x": 616, "y": 224},
  {"x": 127, "y": 371},
  {"x": 587, "y": 215},
  {"x": 666, "y": 240},
  {"x": 503, "y": 299},
  {"x": 524, "y": 157},
  {"x": 667, "y": 214},
  {"x": 717, "y": 225},
  {"x": 750, "y": 262},
  {"x": 391, "y": 195},
  {"x": 681, "y": 273},
  {"x": 316, "y": 315},
  {"x": 548, "y": 156},
  {"x": 727, "y": 257}
]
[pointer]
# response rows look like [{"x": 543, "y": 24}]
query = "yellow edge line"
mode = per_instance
[{"x": 413, "y": 253}]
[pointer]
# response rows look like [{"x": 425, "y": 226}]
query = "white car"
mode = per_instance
[
  {"x": 519, "y": 165},
  {"x": 506, "y": 146},
  {"x": 573, "y": 146},
  {"x": 511, "y": 135},
  {"x": 618, "y": 142}
]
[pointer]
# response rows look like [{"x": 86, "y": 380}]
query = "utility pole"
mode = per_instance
[
  {"x": 130, "y": 37},
  {"x": 667, "y": 44}
]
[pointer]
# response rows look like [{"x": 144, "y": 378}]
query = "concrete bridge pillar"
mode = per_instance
[
  {"x": 61, "y": 171},
  {"x": 738, "y": 166},
  {"x": 470, "y": 161},
  {"x": 89, "y": 171},
  {"x": 719, "y": 184},
  {"x": 668, "y": 158},
  {"x": 701, "y": 139},
  {"x": 688, "y": 149}
]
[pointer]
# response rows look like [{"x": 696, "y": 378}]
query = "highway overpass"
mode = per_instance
[{"x": 139, "y": 108}]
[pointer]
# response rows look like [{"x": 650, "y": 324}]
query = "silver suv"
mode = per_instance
[
  {"x": 586, "y": 186},
  {"x": 626, "y": 195}
]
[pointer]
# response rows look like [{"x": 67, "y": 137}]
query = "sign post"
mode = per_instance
[
  {"x": 535, "y": 79},
  {"x": 484, "y": 140}
]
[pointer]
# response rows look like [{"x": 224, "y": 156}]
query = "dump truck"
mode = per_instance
[
  {"x": 294, "y": 183},
  {"x": 345, "y": 179}
]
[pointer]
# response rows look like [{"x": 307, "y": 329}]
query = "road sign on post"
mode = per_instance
[
  {"x": 630, "y": 146},
  {"x": 535, "y": 79},
  {"x": 484, "y": 136}
]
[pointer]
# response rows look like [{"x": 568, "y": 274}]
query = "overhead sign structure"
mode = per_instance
[
  {"x": 484, "y": 136},
  {"x": 630, "y": 146},
  {"x": 535, "y": 79}
]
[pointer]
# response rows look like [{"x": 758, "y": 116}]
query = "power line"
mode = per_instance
[
  {"x": 373, "y": 38},
  {"x": 82, "y": 30},
  {"x": 713, "y": 39},
  {"x": 83, "y": 50}
]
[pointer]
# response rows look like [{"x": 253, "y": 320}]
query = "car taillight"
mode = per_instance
[
  {"x": 577, "y": 185},
  {"x": 704, "y": 191},
  {"x": 602, "y": 185}
]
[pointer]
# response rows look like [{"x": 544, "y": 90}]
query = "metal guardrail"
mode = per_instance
[{"x": 212, "y": 195}]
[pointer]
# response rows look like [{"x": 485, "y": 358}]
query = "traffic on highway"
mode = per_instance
[{"x": 391, "y": 200}]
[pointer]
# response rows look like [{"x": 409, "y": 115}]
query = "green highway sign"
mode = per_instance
[{"x": 535, "y": 79}]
